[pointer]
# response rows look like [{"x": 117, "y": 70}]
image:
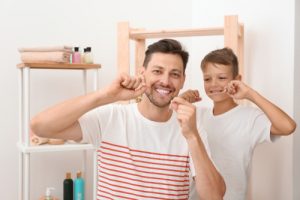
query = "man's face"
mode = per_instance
[{"x": 164, "y": 77}]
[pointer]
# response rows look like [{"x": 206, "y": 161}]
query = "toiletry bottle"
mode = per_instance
[
  {"x": 68, "y": 187},
  {"x": 88, "y": 56},
  {"x": 76, "y": 56},
  {"x": 48, "y": 195},
  {"x": 79, "y": 187}
]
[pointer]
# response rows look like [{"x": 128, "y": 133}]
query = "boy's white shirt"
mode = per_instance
[{"x": 232, "y": 137}]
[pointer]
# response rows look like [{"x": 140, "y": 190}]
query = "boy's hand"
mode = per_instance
[
  {"x": 186, "y": 115},
  {"x": 238, "y": 90},
  {"x": 191, "y": 96},
  {"x": 126, "y": 87}
]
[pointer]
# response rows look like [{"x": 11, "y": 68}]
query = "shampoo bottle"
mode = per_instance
[
  {"x": 76, "y": 56},
  {"x": 68, "y": 187},
  {"x": 79, "y": 187}
]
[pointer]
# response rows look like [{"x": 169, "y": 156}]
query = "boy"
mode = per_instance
[{"x": 234, "y": 130}]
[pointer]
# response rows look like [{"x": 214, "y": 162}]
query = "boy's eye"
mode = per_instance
[
  {"x": 206, "y": 79},
  {"x": 223, "y": 78}
]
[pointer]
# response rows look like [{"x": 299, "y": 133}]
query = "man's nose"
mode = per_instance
[{"x": 164, "y": 79}]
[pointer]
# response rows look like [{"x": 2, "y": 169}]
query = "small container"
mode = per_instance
[
  {"x": 68, "y": 187},
  {"x": 79, "y": 187},
  {"x": 88, "y": 56},
  {"x": 76, "y": 56},
  {"x": 48, "y": 195}
]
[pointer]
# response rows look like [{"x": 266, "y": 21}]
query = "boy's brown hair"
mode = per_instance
[{"x": 223, "y": 56}]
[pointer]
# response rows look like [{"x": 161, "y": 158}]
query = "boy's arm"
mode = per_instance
[
  {"x": 282, "y": 123},
  {"x": 209, "y": 183},
  {"x": 61, "y": 121}
]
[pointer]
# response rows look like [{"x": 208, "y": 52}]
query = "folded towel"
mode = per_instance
[
  {"x": 47, "y": 49},
  {"x": 44, "y": 57}
]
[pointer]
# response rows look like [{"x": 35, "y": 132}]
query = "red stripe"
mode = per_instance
[
  {"x": 147, "y": 152},
  {"x": 138, "y": 185},
  {"x": 154, "y": 158},
  {"x": 154, "y": 168},
  {"x": 103, "y": 196},
  {"x": 153, "y": 197},
  {"x": 141, "y": 161},
  {"x": 146, "y": 172},
  {"x": 184, "y": 180},
  {"x": 143, "y": 191},
  {"x": 147, "y": 182},
  {"x": 99, "y": 190}
]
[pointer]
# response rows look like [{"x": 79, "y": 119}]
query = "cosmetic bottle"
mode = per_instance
[
  {"x": 79, "y": 187},
  {"x": 76, "y": 56},
  {"x": 88, "y": 55},
  {"x": 68, "y": 187},
  {"x": 48, "y": 195}
]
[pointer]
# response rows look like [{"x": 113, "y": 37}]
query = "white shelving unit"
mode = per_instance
[{"x": 25, "y": 150}]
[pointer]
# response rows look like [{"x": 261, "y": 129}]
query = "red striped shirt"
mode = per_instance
[{"x": 125, "y": 173}]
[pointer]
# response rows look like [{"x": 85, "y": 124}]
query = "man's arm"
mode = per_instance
[
  {"x": 209, "y": 183},
  {"x": 61, "y": 121},
  {"x": 282, "y": 123}
]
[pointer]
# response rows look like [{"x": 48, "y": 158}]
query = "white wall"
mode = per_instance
[
  {"x": 269, "y": 57},
  {"x": 268, "y": 60}
]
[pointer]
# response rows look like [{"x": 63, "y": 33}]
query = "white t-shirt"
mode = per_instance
[
  {"x": 138, "y": 158},
  {"x": 232, "y": 137}
]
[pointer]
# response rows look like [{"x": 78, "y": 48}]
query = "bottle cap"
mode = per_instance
[
  {"x": 76, "y": 49},
  {"x": 68, "y": 175},
  {"x": 78, "y": 174}
]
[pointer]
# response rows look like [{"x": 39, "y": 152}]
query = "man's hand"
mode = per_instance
[
  {"x": 186, "y": 115},
  {"x": 126, "y": 87},
  {"x": 191, "y": 96}
]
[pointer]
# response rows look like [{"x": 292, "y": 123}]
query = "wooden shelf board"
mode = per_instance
[
  {"x": 59, "y": 66},
  {"x": 54, "y": 148}
]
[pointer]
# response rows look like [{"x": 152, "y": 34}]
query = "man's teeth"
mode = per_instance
[{"x": 160, "y": 91}]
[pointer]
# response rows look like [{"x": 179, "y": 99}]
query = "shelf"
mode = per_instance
[
  {"x": 75, "y": 66},
  {"x": 54, "y": 148}
]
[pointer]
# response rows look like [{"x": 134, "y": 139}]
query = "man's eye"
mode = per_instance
[
  {"x": 176, "y": 75},
  {"x": 223, "y": 78},
  {"x": 156, "y": 71},
  {"x": 206, "y": 79}
]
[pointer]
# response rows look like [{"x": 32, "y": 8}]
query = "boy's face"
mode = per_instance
[
  {"x": 216, "y": 77},
  {"x": 164, "y": 77}
]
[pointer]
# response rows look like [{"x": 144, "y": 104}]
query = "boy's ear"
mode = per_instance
[{"x": 238, "y": 77}]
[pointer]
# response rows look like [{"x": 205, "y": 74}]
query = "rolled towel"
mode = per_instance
[
  {"x": 36, "y": 140},
  {"x": 45, "y": 57},
  {"x": 46, "y": 49}
]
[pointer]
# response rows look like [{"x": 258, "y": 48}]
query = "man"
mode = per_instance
[{"x": 144, "y": 148}]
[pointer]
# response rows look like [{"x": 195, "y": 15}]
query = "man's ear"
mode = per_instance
[
  {"x": 183, "y": 81},
  {"x": 238, "y": 77}
]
